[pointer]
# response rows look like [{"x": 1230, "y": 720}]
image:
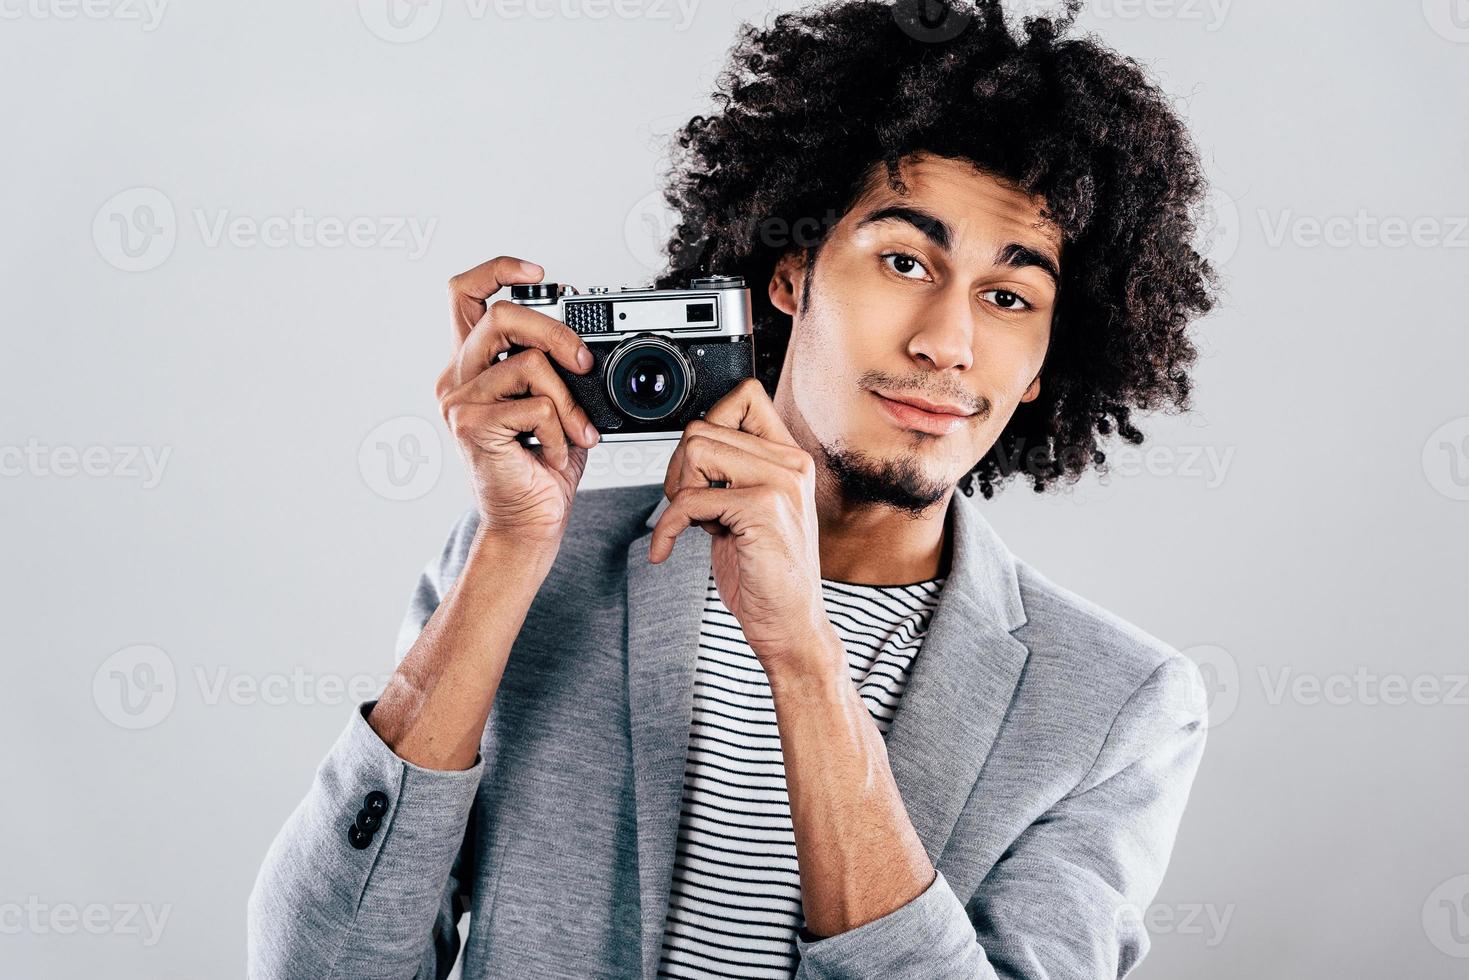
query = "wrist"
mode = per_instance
[
  {"x": 508, "y": 554},
  {"x": 817, "y": 668}
]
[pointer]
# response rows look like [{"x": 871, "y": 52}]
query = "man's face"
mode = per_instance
[{"x": 944, "y": 295}]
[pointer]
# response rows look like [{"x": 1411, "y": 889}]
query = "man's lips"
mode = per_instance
[
  {"x": 912, "y": 417},
  {"x": 942, "y": 408}
]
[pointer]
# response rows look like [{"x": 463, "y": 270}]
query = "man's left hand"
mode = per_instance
[{"x": 767, "y": 563}]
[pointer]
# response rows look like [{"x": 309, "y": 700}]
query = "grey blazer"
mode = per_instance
[{"x": 1044, "y": 749}]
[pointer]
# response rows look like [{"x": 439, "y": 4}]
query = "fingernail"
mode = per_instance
[
  {"x": 593, "y": 435},
  {"x": 584, "y": 357},
  {"x": 530, "y": 268}
]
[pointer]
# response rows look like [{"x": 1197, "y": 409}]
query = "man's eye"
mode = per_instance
[
  {"x": 902, "y": 263},
  {"x": 1007, "y": 300}
]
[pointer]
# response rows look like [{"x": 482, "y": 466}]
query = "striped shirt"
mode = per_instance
[{"x": 735, "y": 902}]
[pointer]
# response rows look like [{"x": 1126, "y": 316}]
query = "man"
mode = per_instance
[{"x": 838, "y": 731}]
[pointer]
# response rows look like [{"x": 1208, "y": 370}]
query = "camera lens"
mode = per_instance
[
  {"x": 648, "y": 379},
  {"x": 648, "y": 382}
]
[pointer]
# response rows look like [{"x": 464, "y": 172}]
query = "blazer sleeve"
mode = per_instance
[
  {"x": 1067, "y": 900},
  {"x": 384, "y": 901}
]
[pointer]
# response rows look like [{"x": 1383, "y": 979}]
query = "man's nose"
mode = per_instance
[{"x": 945, "y": 337}]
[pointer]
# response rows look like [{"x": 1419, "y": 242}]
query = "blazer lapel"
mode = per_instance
[
  {"x": 961, "y": 681},
  {"x": 664, "y": 606}
]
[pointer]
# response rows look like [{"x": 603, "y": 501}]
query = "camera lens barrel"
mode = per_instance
[{"x": 648, "y": 378}]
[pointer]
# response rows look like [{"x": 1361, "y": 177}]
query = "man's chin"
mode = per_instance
[{"x": 898, "y": 481}]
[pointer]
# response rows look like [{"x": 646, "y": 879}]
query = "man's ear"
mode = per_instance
[
  {"x": 1034, "y": 391},
  {"x": 785, "y": 281}
]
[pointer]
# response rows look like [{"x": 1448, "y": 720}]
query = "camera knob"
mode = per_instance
[
  {"x": 540, "y": 292},
  {"x": 717, "y": 282},
  {"x": 598, "y": 290}
]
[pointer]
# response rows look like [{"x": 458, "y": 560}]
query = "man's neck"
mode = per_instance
[{"x": 870, "y": 544}]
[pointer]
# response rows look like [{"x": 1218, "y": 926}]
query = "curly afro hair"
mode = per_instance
[{"x": 811, "y": 104}]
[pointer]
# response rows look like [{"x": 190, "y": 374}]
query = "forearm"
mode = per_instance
[
  {"x": 858, "y": 854},
  {"x": 433, "y": 710}
]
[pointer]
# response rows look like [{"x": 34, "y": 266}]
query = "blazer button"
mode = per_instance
[
  {"x": 368, "y": 821},
  {"x": 357, "y": 837},
  {"x": 376, "y": 803}
]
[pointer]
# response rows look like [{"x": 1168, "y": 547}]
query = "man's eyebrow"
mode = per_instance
[
  {"x": 1019, "y": 256},
  {"x": 936, "y": 230}
]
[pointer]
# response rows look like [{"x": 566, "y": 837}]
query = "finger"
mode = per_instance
[
  {"x": 691, "y": 506},
  {"x": 704, "y": 458},
  {"x": 505, "y": 323},
  {"x": 529, "y": 372},
  {"x": 748, "y": 408},
  {"x": 493, "y": 426},
  {"x": 791, "y": 457},
  {"x": 469, "y": 290}
]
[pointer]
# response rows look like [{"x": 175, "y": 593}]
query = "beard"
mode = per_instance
[{"x": 898, "y": 483}]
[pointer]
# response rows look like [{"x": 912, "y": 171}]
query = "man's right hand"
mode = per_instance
[{"x": 523, "y": 493}]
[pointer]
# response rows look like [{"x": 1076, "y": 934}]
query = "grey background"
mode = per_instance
[{"x": 1324, "y": 544}]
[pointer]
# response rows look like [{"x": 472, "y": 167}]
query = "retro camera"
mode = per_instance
[{"x": 663, "y": 357}]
